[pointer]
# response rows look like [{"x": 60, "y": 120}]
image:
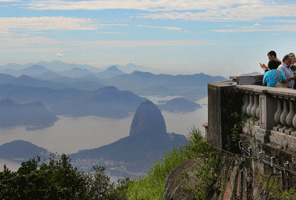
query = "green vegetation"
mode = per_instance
[
  {"x": 58, "y": 180},
  {"x": 273, "y": 186},
  {"x": 152, "y": 186}
]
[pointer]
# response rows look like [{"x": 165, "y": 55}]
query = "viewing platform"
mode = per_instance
[{"x": 266, "y": 114}]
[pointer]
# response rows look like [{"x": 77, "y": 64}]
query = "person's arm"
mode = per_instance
[
  {"x": 290, "y": 78},
  {"x": 264, "y": 67}
]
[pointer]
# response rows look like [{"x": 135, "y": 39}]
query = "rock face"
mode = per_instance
[
  {"x": 148, "y": 119},
  {"x": 173, "y": 183}
]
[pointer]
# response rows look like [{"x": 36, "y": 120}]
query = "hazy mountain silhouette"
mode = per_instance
[
  {"x": 109, "y": 73},
  {"x": 34, "y": 70},
  {"x": 177, "y": 105},
  {"x": 76, "y": 73},
  {"x": 104, "y": 102},
  {"x": 48, "y": 75},
  {"x": 53, "y": 66},
  {"x": 6, "y": 78},
  {"x": 32, "y": 115},
  {"x": 19, "y": 151},
  {"x": 29, "y": 81},
  {"x": 191, "y": 87},
  {"x": 148, "y": 120},
  {"x": 137, "y": 152}
]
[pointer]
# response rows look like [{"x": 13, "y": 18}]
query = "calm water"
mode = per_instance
[{"x": 69, "y": 135}]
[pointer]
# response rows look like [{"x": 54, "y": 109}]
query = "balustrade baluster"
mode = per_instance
[
  {"x": 283, "y": 118},
  {"x": 291, "y": 115},
  {"x": 294, "y": 121},
  {"x": 277, "y": 114},
  {"x": 251, "y": 103},
  {"x": 255, "y": 106},
  {"x": 258, "y": 108},
  {"x": 246, "y": 103}
]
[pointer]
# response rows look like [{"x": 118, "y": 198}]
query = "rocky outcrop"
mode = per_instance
[
  {"x": 174, "y": 182},
  {"x": 148, "y": 120}
]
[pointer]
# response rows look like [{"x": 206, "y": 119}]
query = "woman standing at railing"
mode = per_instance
[{"x": 273, "y": 77}]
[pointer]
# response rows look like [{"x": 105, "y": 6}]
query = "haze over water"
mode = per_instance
[{"x": 69, "y": 135}]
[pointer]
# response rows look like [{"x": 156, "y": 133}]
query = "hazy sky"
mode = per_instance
[{"x": 217, "y": 37}]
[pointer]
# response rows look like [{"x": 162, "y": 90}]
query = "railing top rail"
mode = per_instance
[{"x": 286, "y": 92}]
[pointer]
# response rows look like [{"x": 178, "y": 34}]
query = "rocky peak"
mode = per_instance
[{"x": 148, "y": 120}]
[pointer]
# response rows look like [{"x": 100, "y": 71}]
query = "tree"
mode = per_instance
[{"x": 58, "y": 179}]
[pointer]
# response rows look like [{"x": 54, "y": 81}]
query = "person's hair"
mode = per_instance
[
  {"x": 292, "y": 55},
  {"x": 273, "y": 64},
  {"x": 287, "y": 58},
  {"x": 272, "y": 53}
]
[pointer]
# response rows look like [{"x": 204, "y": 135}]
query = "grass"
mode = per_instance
[{"x": 152, "y": 185}]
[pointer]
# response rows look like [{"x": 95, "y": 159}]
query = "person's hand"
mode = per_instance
[{"x": 264, "y": 67}]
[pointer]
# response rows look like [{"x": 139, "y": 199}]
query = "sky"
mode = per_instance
[{"x": 216, "y": 37}]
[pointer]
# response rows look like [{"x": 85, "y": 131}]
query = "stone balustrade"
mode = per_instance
[
  {"x": 269, "y": 114},
  {"x": 274, "y": 109}
]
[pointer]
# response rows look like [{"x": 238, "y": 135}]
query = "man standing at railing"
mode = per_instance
[
  {"x": 271, "y": 56},
  {"x": 285, "y": 68}
]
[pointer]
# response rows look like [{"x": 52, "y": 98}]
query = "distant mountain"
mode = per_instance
[
  {"x": 32, "y": 115},
  {"x": 5, "y": 78},
  {"x": 148, "y": 120},
  {"x": 76, "y": 73},
  {"x": 14, "y": 66},
  {"x": 137, "y": 152},
  {"x": 53, "y": 66},
  {"x": 109, "y": 73},
  {"x": 104, "y": 102},
  {"x": 34, "y": 70},
  {"x": 177, "y": 105},
  {"x": 191, "y": 87},
  {"x": 29, "y": 81},
  {"x": 129, "y": 68},
  {"x": 48, "y": 76},
  {"x": 20, "y": 150},
  {"x": 253, "y": 73},
  {"x": 138, "y": 80}
]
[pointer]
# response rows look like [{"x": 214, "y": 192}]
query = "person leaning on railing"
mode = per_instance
[
  {"x": 274, "y": 76},
  {"x": 285, "y": 67}
]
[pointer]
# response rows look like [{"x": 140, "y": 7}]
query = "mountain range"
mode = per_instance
[
  {"x": 32, "y": 115},
  {"x": 105, "y": 102}
]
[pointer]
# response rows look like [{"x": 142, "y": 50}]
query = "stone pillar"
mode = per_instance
[{"x": 223, "y": 101}]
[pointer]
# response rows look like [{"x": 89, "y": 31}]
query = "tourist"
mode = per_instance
[
  {"x": 285, "y": 67},
  {"x": 270, "y": 77},
  {"x": 271, "y": 56}
]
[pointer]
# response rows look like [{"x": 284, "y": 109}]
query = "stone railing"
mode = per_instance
[
  {"x": 274, "y": 109},
  {"x": 270, "y": 113}
]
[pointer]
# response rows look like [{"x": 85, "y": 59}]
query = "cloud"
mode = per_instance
[
  {"x": 45, "y": 23},
  {"x": 259, "y": 28},
  {"x": 59, "y": 55},
  {"x": 166, "y": 28},
  {"x": 147, "y": 5}
]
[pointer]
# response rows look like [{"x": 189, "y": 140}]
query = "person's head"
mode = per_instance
[
  {"x": 287, "y": 59},
  {"x": 273, "y": 64},
  {"x": 271, "y": 55},
  {"x": 292, "y": 55}
]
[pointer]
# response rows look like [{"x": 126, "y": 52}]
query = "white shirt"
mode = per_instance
[{"x": 288, "y": 73}]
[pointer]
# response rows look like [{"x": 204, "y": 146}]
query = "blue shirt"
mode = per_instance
[
  {"x": 270, "y": 78},
  {"x": 288, "y": 73}
]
